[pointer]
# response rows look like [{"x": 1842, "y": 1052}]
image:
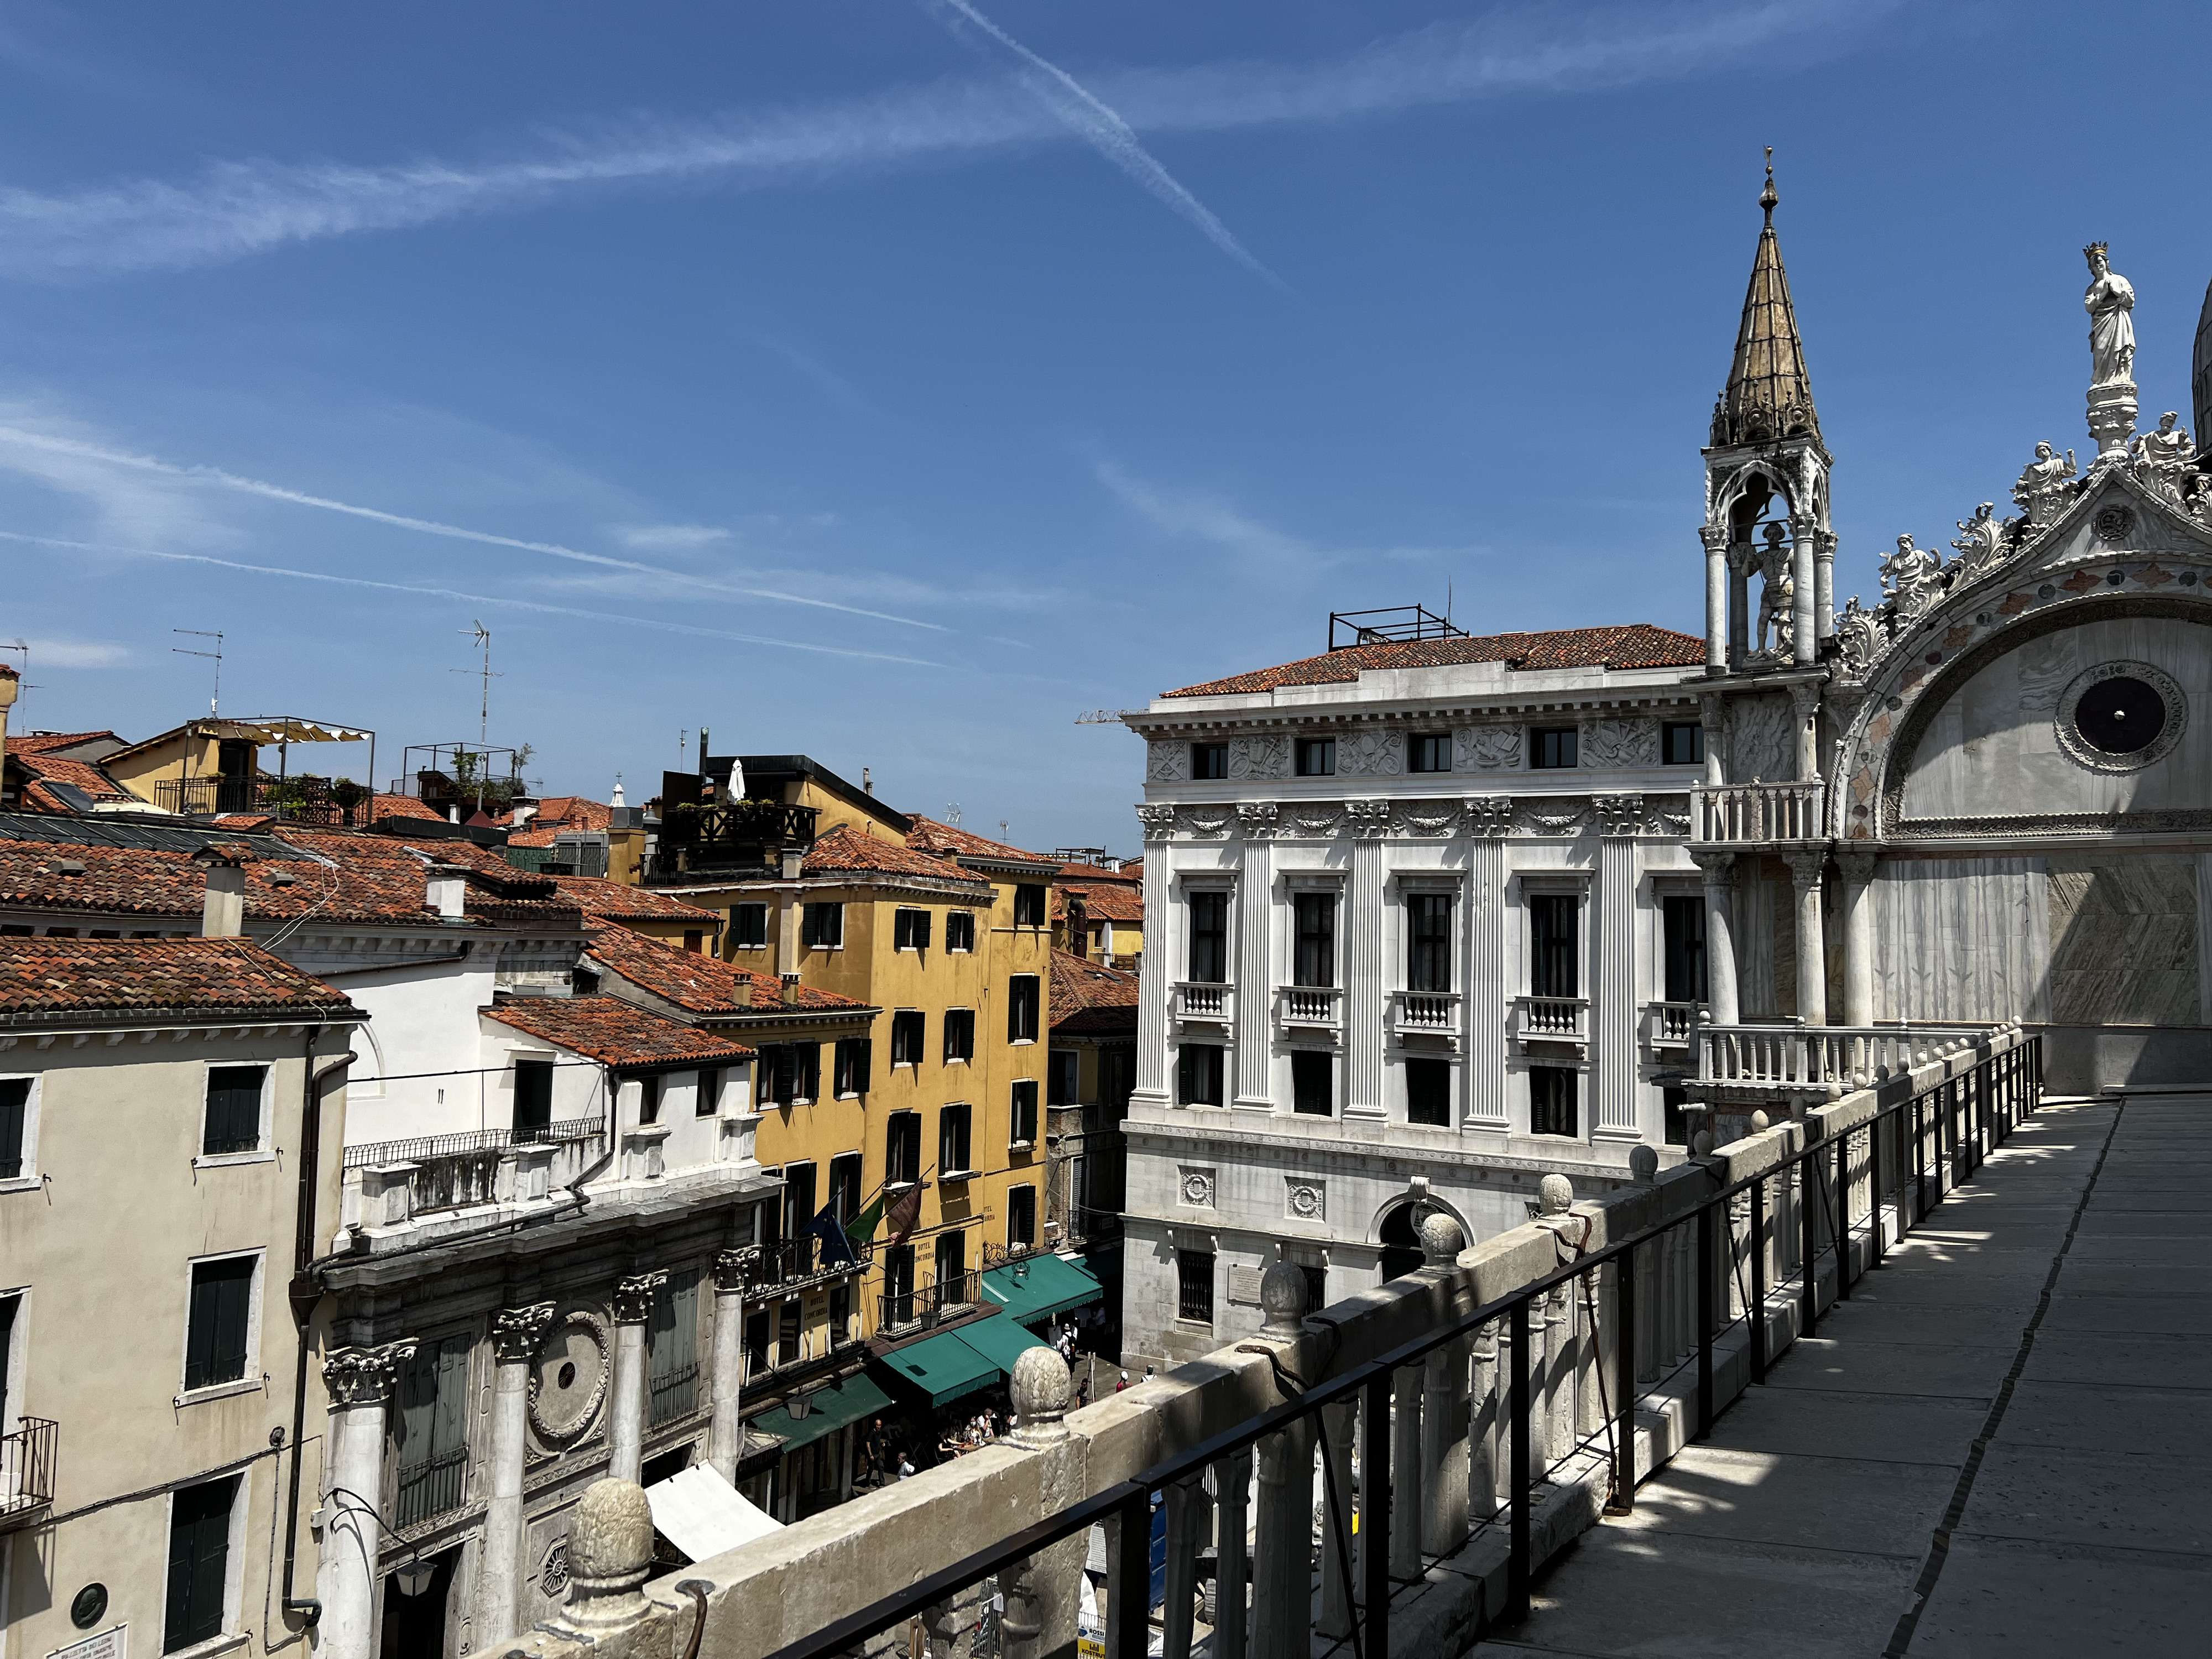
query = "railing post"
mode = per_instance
[
  {"x": 1844, "y": 1216},
  {"x": 1623, "y": 1319},
  {"x": 1444, "y": 1414},
  {"x": 1808, "y": 1246},
  {"x": 1374, "y": 1518},
  {"x": 1405, "y": 1476},
  {"x": 1232, "y": 1482},
  {"x": 1518, "y": 1406},
  {"x": 1482, "y": 1426},
  {"x": 1187, "y": 1506},
  {"x": 1755, "y": 1314},
  {"x": 1131, "y": 1606},
  {"x": 1705, "y": 1266},
  {"x": 1338, "y": 1424}
]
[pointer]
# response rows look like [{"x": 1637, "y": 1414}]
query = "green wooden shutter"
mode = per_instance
[
  {"x": 216, "y": 1334},
  {"x": 234, "y": 1110},
  {"x": 14, "y": 1112},
  {"x": 199, "y": 1550},
  {"x": 449, "y": 1426}
]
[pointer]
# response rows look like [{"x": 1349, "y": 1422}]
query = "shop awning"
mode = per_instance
[
  {"x": 1001, "y": 1340},
  {"x": 282, "y": 728},
  {"x": 944, "y": 1367},
  {"x": 828, "y": 1410},
  {"x": 1041, "y": 1285},
  {"x": 698, "y": 1512}
]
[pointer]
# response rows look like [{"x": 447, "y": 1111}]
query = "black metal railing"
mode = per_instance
[
  {"x": 1389, "y": 626},
  {"x": 675, "y": 1393},
  {"x": 795, "y": 1262},
  {"x": 188, "y": 795},
  {"x": 1908, "y": 1154},
  {"x": 27, "y": 1470},
  {"x": 420, "y": 1148},
  {"x": 741, "y": 834},
  {"x": 953, "y": 1294},
  {"x": 430, "y": 1488}
]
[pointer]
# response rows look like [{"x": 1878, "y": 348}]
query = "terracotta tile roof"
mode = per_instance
[
  {"x": 142, "y": 881},
  {"x": 86, "y": 976},
  {"x": 615, "y": 1032},
  {"x": 844, "y": 849},
  {"x": 1090, "y": 999},
  {"x": 544, "y": 837},
  {"x": 595, "y": 896},
  {"x": 702, "y": 984},
  {"x": 40, "y": 742},
  {"x": 949, "y": 840},
  {"x": 396, "y": 806},
  {"x": 566, "y": 812},
  {"x": 1637, "y": 645},
  {"x": 40, "y": 769},
  {"x": 244, "y": 821},
  {"x": 1105, "y": 900}
]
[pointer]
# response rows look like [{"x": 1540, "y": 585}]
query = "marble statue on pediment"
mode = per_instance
[
  {"x": 2041, "y": 491},
  {"x": 2110, "y": 303},
  {"x": 2162, "y": 456},
  {"x": 1911, "y": 577}
]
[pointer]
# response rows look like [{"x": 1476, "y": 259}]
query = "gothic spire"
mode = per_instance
[{"x": 1769, "y": 395}]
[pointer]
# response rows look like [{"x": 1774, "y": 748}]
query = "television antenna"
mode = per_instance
[
  {"x": 482, "y": 636},
  {"x": 952, "y": 811},
  {"x": 215, "y": 702},
  {"x": 23, "y": 683}
]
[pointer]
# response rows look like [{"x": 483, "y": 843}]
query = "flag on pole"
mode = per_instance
[
  {"x": 837, "y": 1248},
  {"x": 862, "y": 1227},
  {"x": 906, "y": 1214}
]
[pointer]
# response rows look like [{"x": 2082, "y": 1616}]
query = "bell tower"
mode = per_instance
[{"x": 1767, "y": 485}]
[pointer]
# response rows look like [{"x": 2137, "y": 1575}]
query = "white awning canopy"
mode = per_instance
[
  {"x": 282, "y": 728},
  {"x": 703, "y": 1514}
]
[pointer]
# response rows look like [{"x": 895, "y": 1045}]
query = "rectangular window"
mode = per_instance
[
  {"x": 1029, "y": 905},
  {"x": 951, "y": 1253},
  {"x": 1676, "y": 1132},
  {"x": 799, "y": 1211},
  {"x": 960, "y": 930},
  {"x": 694, "y": 940},
  {"x": 1023, "y": 1122},
  {"x": 788, "y": 1072},
  {"x": 1315, "y": 959},
  {"x": 1551, "y": 1101},
  {"x": 1683, "y": 917},
  {"x": 910, "y": 930},
  {"x": 233, "y": 1110},
  {"x": 649, "y": 1099},
  {"x": 1064, "y": 1078},
  {"x": 1681, "y": 743},
  {"x": 1429, "y": 751},
  {"x": 756, "y": 1330},
  {"x": 959, "y": 1034},
  {"x": 823, "y": 926},
  {"x": 672, "y": 1349},
  {"x": 1198, "y": 1075},
  {"x": 1428, "y": 1092},
  {"x": 1428, "y": 942},
  {"x": 748, "y": 926},
  {"x": 910, "y": 1029},
  {"x": 218, "y": 1331},
  {"x": 844, "y": 1194},
  {"x": 1554, "y": 967},
  {"x": 786, "y": 1332},
  {"x": 1316, "y": 1287},
  {"x": 1316, "y": 758},
  {"x": 1209, "y": 762},
  {"x": 898, "y": 1283},
  {"x": 952, "y": 1123},
  {"x": 708, "y": 1103},
  {"x": 854, "y": 1055},
  {"x": 199, "y": 1563},
  {"x": 15, "y": 1135},
  {"x": 1313, "y": 1083},
  {"x": 1022, "y": 998},
  {"x": 1209, "y": 937},
  {"x": 902, "y": 1147},
  {"x": 1194, "y": 1286},
  {"x": 432, "y": 1436},
  {"x": 805, "y": 1069},
  {"x": 1553, "y": 746},
  {"x": 533, "y": 1096},
  {"x": 771, "y": 1075},
  {"x": 1021, "y": 1215}
]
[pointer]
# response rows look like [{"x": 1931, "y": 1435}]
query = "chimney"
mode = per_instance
[
  {"x": 867, "y": 783},
  {"x": 1075, "y": 902},
  {"x": 9, "y": 684},
  {"x": 223, "y": 914},
  {"x": 445, "y": 889}
]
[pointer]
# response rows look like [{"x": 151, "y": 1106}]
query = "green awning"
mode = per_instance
[
  {"x": 943, "y": 1367},
  {"x": 828, "y": 1410},
  {"x": 999, "y": 1339},
  {"x": 1039, "y": 1286}
]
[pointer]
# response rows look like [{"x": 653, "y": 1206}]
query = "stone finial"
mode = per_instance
[
  {"x": 1042, "y": 1391},
  {"x": 1283, "y": 1300},
  {"x": 1442, "y": 1240},
  {"x": 1642, "y": 1165},
  {"x": 610, "y": 1553},
  {"x": 1555, "y": 1195},
  {"x": 1758, "y": 1123},
  {"x": 1701, "y": 1144}
]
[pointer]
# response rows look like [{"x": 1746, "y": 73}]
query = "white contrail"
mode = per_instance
[
  {"x": 216, "y": 476},
  {"x": 1105, "y": 131},
  {"x": 512, "y": 604}
]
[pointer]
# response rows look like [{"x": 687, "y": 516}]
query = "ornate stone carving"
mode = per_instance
[
  {"x": 2114, "y": 523},
  {"x": 1618, "y": 815},
  {"x": 1265, "y": 755},
  {"x": 1208, "y": 822},
  {"x": 2079, "y": 749},
  {"x": 1442, "y": 1239},
  {"x": 1489, "y": 816},
  {"x": 1777, "y": 592},
  {"x": 1282, "y": 1301},
  {"x": 364, "y": 1376},
  {"x": 735, "y": 1269},
  {"x": 1167, "y": 762},
  {"x": 1305, "y": 1200},
  {"x": 569, "y": 1380},
  {"x": 2045, "y": 485},
  {"x": 1860, "y": 638},
  {"x": 1255, "y": 819},
  {"x": 516, "y": 1332},
  {"x": 632, "y": 1298},
  {"x": 1609, "y": 743},
  {"x": 2163, "y": 456},
  {"x": 1537, "y": 822},
  {"x": 1487, "y": 748},
  {"x": 1040, "y": 1391},
  {"x": 1196, "y": 1187},
  {"x": 1983, "y": 543},
  {"x": 610, "y": 1555},
  {"x": 1320, "y": 820},
  {"x": 1555, "y": 1195},
  {"x": 1158, "y": 822},
  {"x": 553, "y": 1571},
  {"x": 1763, "y": 741},
  {"x": 1910, "y": 577},
  {"x": 1371, "y": 754},
  {"x": 1368, "y": 817},
  {"x": 1427, "y": 817}
]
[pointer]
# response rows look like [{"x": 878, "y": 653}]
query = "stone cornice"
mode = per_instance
[{"x": 1647, "y": 702}]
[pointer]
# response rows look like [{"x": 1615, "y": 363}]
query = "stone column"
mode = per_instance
[
  {"x": 725, "y": 1427},
  {"x": 1713, "y": 714},
  {"x": 1720, "y": 943},
  {"x": 1614, "y": 1012},
  {"x": 360, "y": 1382},
  {"x": 1717, "y": 599},
  {"x": 1444, "y": 1408},
  {"x": 1487, "y": 820},
  {"x": 1255, "y": 1010},
  {"x": 1805, "y": 864},
  {"x": 1805, "y": 640},
  {"x": 1364, "y": 997},
  {"x": 626, "y": 1408},
  {"x": 1824, "y": 582},
  {"x": 515, "y": 1336},
  {"x": 1153, "y": 966},
  {"x": 1739, "y": 603},
  {"x": 1857, "y": 868},
  {"x": 1805, "y": 704}
]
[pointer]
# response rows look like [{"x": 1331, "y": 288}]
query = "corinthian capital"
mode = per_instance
[
  {"x": 633, "y": 1297},
  {"x": 516, "y": 1332},
  {"x": 364, "y": 1376},
  {"x": 735, "y": 1269}
]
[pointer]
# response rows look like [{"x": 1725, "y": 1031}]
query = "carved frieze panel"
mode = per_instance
[
  {"x": 1611, "y": 743},
  {"x": 1762, "y": 741},
  {"x": 1194, "y": 1186},
  {"x": 1167, "y": 762},
  {"x": 1266, "y": 755},
  {"x": 1371, "y": 754},
  {"x": 1322, "y": 819},
  {"x": 1427, "y": 817},
  {"x": 1207, "y": 823},
  {"x": 1487, "y": 748},
  {"x": 1304, "y": 1200},
  {"x": 1553, "y": 817}
]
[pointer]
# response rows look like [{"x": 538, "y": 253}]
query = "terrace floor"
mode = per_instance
[{"x": 1996, "y": 1447}]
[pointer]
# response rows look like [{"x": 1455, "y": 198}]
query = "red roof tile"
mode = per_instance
[
  {"x": 950, "y": 841},
  {"x": 1637, "y": 645},
  {"x": 615, "y": 1032},
  {"x": 1090, "y": 999},
  {"x": 396, "y": 806},
  {"x": 595, "y": 896},
  {"x": 842, "y": 848},
  {"x": 41, "y": 743},
  {"x": 1104, "y": 901},
  {"x": 54, "y": 769},
  {"x": 566, "y": 812},
  {"x": 85, "y": 975},
  {"x": 140, "y": 881},
  {"x": 702, "y": 984}
]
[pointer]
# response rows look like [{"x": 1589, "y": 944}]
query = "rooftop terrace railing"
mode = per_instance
[{"x": 1499, "y": 1399}]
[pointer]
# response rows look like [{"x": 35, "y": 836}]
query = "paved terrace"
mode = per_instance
[{"x": 1996, "y": 1446}]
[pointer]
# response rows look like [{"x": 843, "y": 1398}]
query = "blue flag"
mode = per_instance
[{"x": 837, "y": 1248}]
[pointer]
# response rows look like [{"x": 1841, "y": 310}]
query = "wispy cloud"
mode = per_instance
[
  {"x": 77, "y": 653},
  {"x": 645, "y": 537},
  {"x": 237, "y": 208},
  {"x": 1097, "y": 125},
  {"x": 507, "y": 602},
  {"x": 1201, "y": 517}
]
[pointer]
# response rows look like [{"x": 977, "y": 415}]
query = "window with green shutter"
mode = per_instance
[
  {"x": 233, "y": 1110},
  {"x": 218, "y": 1325},
  {"x": 433, "y": 1430},
  {"x": 199, "y": 1563},
  {"x": 672, "y": 1346},
  {"x": 15, "y": 1125}
]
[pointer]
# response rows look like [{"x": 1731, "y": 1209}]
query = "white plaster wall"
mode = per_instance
[
  {"x": 1962, "y": 938},
  {"x": 579, "y": 1084},
  {"x": 425, "y": 1020}
]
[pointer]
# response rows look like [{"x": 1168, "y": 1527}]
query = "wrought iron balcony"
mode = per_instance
[
  {"x": 946, "y": 1298},
  {"x": 27, "y": 1472},
  {"x": 458, "y": 1171},
  {"x": 699, "y": 843},
  {"x": 1756, "y": 814}
]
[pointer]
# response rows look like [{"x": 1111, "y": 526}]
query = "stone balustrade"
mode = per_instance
[
  {"x": 1504, "y": 1436},
  {"x": 1756, "y": 814}
]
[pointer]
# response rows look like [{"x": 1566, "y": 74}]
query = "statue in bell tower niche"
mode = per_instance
[
  {"x": 2041, "y": 490},
  {"x": 2110, "y": 302},
  {"x": 1911, "y": 577},
  {"x": 1777, "y": 592}
]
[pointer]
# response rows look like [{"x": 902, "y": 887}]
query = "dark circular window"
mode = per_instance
[
  {"x": 568, "y": 1375},
  {"x": 87, "y": 1606},
  {"x": 2120, "y": 716}
]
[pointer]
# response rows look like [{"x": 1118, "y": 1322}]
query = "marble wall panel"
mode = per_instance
[
  {"x": 2124, "y": 940},
  {"x": 1964, "y": 938}
]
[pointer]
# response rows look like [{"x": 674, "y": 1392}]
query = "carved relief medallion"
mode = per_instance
[
  {"x": 2121, "y": 717},
  {"x": 1167, "y": 762},
  {"x": 1196, "y": 1187},
  {"x": 568, "y": 1379},
  {"x": 1304, "y": 1201}
]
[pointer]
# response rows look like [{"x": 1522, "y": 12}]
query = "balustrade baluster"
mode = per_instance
[
  {"x": 1406, "y": 1474},
  {"x": 1283, "y": 1587},
  {"x": 1187, "y": 1517},
  {"x": 1339, "y": 1423},
  {"x": 1482, "y": 1472},
  {"x": 1444, "y": 1450},
  {"x": 1232, "y": 1486}
]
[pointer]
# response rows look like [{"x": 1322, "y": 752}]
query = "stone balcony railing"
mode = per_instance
[
  {"x": 1669, "y": 1025},
  {"x": 1197, "y": 1004},
  {"x": 1756, "y": 812},
  {"x": 389, "y": 1184},
  {"x": 1502, "y": 1397},
  {"x": 1425, "y": 1013},
  {"x": 1791, "y": 1062},
  {"x": 1309, "y": 1008},
  {"x": 1552, "y": 1020}
]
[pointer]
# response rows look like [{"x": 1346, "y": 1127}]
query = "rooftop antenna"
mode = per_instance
[
  {"x": 952, "y": 811},
  {"x": 682, "y": 740},
  {"x": 482, "y": 636},
  {"x": 1002, "y": 828},
  {"x": 23, "y": 683},
  {"x": 215, "y": 702}
]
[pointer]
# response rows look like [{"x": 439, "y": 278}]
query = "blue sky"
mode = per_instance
[{"x": 891, "y": 381}]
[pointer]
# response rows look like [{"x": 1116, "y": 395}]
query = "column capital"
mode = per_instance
[
  {"x": 1714, "y": 861},
  {"x": 516, "y": 1332},
  {"x": 1807, "y": 862},
  {"x": 1857, "y": 863},
  {"x": 1805, "y": 696},
  {"x": 364, "y": 1376},
  {"x": 634, "y": 1297},
  {"x": 1715, "y": 536},
  {"x": 1487, "y": 817},
  {"x": 1159, "y": 822},
  {"x": 733, "y": 1269},
  {"x": 1618, "y": 815}
]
